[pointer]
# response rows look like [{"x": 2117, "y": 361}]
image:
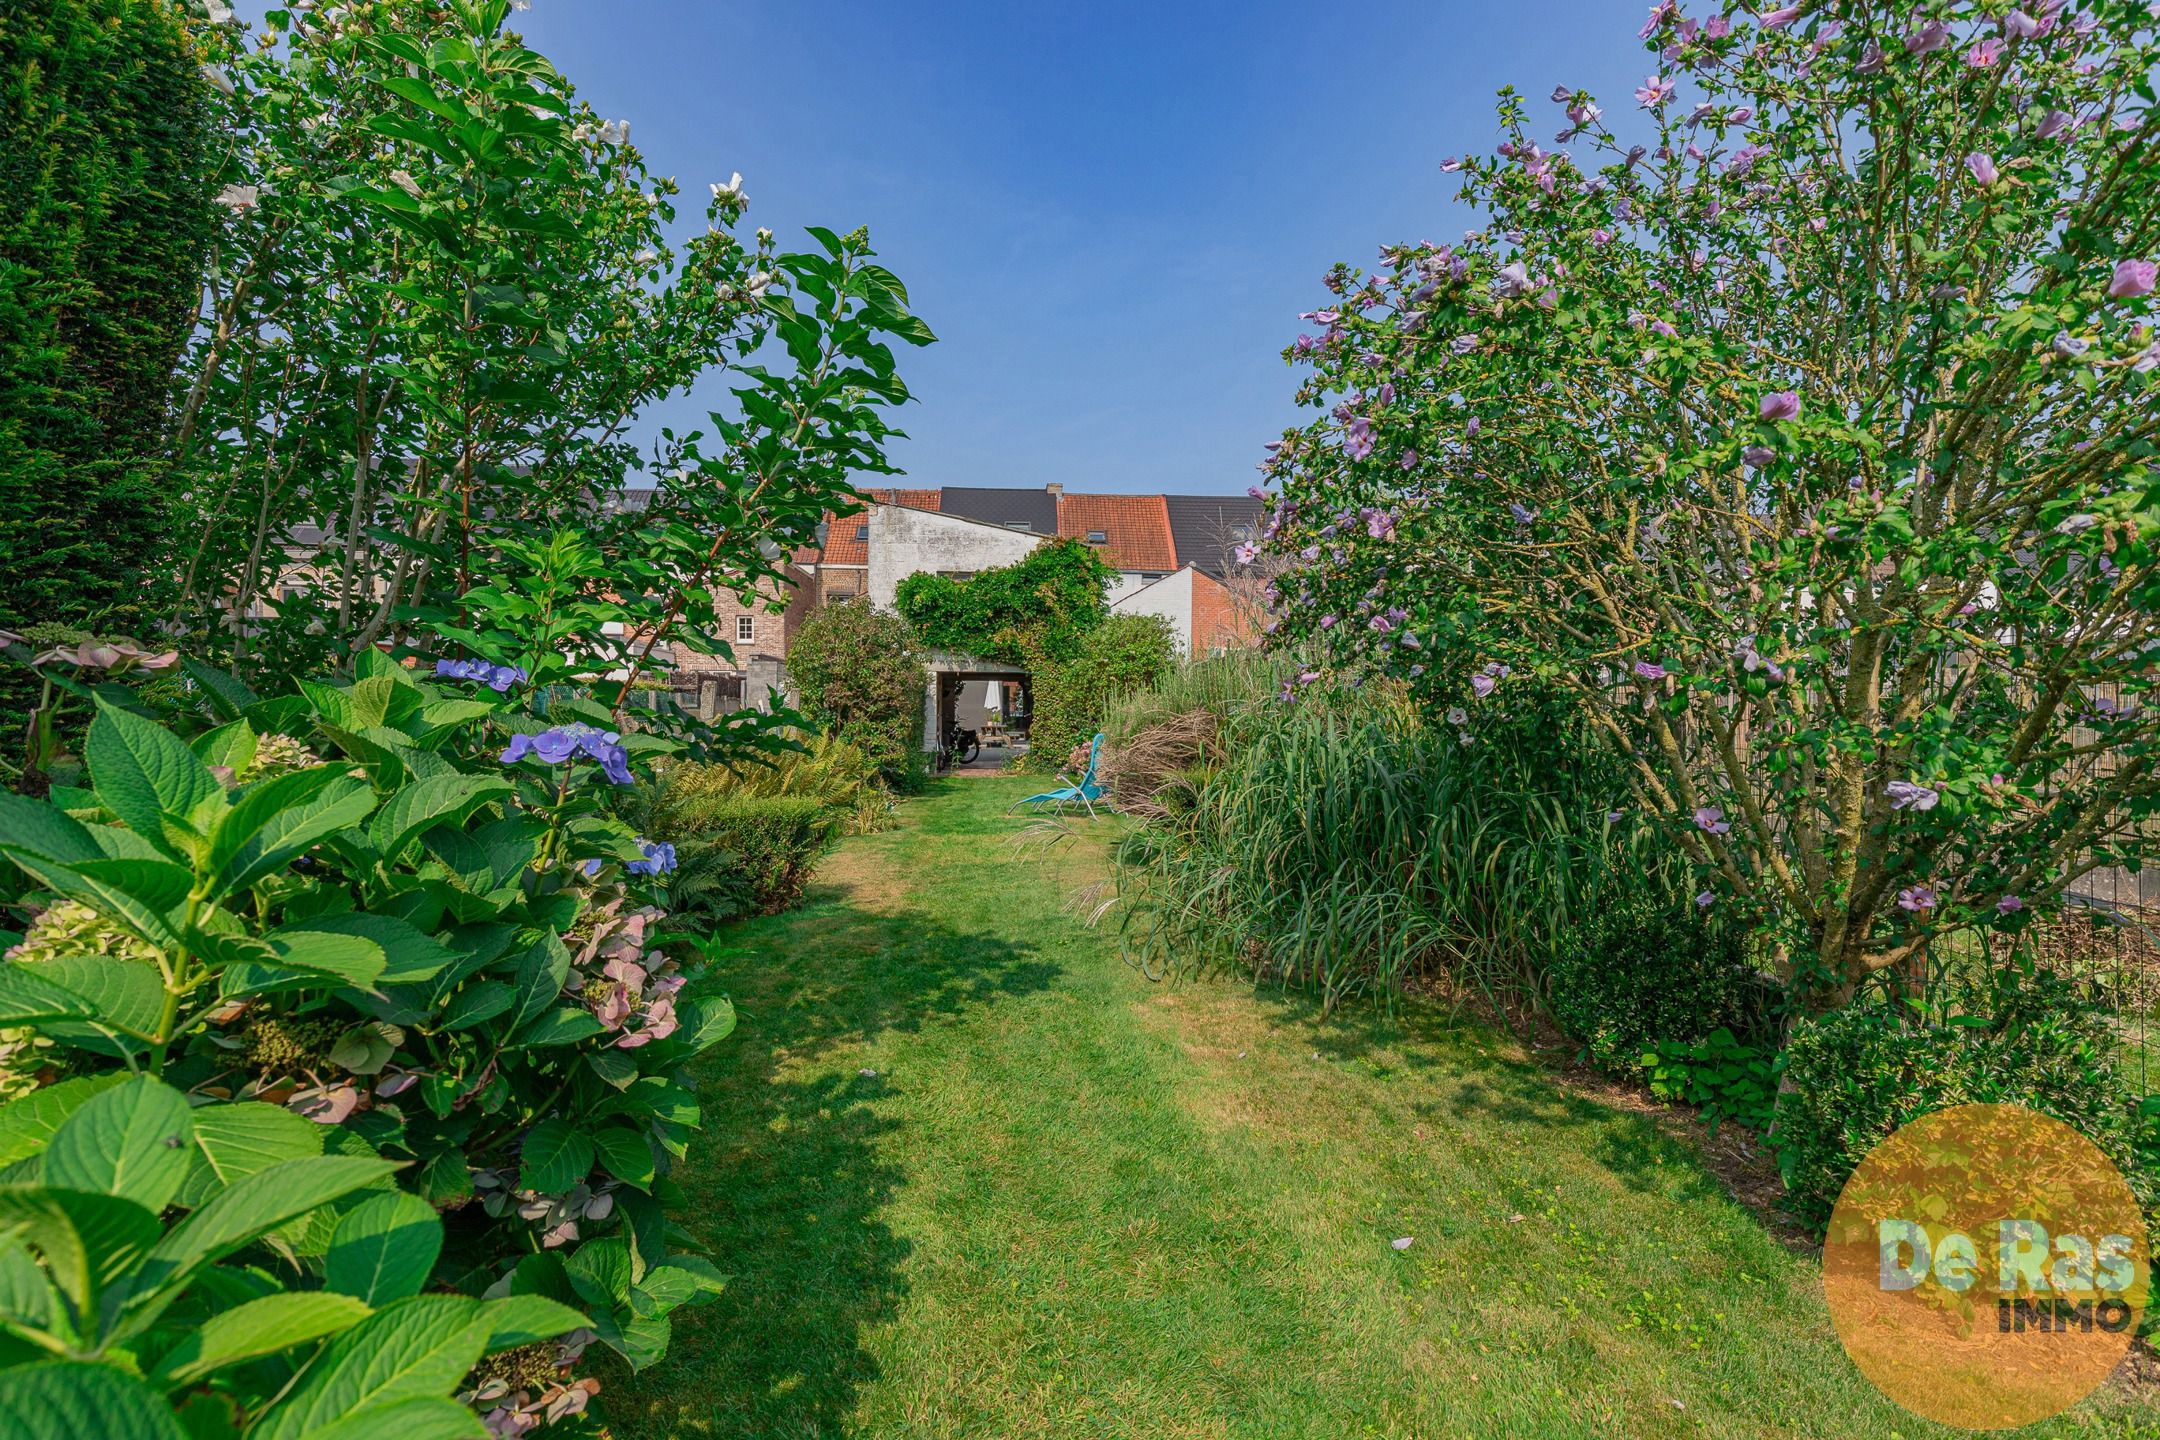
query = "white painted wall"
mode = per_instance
[
  {"x": 1124, "y": 583},
  {"x": 1170, "y": 598},
  {"x": 905, "y": 542}
]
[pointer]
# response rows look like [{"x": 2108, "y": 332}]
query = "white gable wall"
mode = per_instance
[
  {"x": 1171, "y": 598},
  {"x": 906, "y": 542}
]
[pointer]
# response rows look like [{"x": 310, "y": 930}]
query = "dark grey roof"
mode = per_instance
[
  {"x": 1032, "y": 510},
  {"x": 1205, "y": 528}
]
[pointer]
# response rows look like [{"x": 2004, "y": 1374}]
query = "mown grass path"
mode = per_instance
[{"x": 973, "y": 1176}]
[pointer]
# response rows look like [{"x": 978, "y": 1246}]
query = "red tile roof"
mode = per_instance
[{"x": 1136, "y": 528}]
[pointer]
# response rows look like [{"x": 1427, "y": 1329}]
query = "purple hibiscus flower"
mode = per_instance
[
  {"x": 1649, "y": 670},
  {"x": 1911, "y": 795},
  {"x": 1780, "y": 405},
  {"x": 1917, "y": 898},
  {"x": 1655, "y": 92},
  {"x": 1710, "y": 819},
  {"x": 1983, "y": 168},
  {"x": 2132, "y": 279}
]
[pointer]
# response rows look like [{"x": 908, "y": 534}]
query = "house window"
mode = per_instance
[
  {"x": 1098, "y": 537},
  {"x": 1149, "y": 577},
  {"x": 1018, "y": 525},
  {"x": 745, "y": 628},
  {"x": 862, "y": 532},
  {"x": 957, "y": 574}
]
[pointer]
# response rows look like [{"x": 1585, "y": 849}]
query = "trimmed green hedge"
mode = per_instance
[{"x": 102, "y": 240}]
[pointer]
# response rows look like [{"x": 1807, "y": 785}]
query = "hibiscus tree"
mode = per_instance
[{"x": 1798, "y": 420}]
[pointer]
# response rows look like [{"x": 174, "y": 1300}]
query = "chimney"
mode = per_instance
[{"x": 1055, "y": 488}]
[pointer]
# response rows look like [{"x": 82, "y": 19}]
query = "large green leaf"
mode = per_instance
[
  {"x": 145, "y": 773},
  {"x": 285, "y": 835},
  {"x": 409, "y": 954},
  {"x": 242, "y": 1139},
  {"x": 257, "y": 805},
  {"x": 411, "y": 1349},
  {"x": 420, "y": 1418},
  {"x": 627, "y": 1154},
  {"x": 86, "y": 880},
  {"x": 28, "y": 1124},
  {"x": 483, "y": 1000},
  {"x": 227, "y": 694},
  {"x": 88, "y": 1240},
  {"x": 132, "y": 1141},
  {"x": 255, "y": 1329},
  {"x": 640, "y": 1339},
  {"x": 438, "y": 800},
  {"x": 124, "y": 996},
  {"x": 557, "y": 1154},
  {"x": 525, "y": 1319},
  {"x": 34, "y": 828},
  {"x": 683, "y": 1280},
  {"x": 599, "y": 1271},
  {"x": 73, "y": 1400},
  {"x": 25, "y": 1295},
  {"x": 27, "y": 997},
  {"x": 250, "y": 1207},
  {"x": 353, "y": 959},
  {"x": 560, "y": 1025},
  {"x": 542, "y": 971},
  {"x": 383, "y": 1248},
  {"x": 232, "y": 746}
]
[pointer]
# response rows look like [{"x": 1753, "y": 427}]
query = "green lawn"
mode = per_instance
[{"x": 973, "y": 1176}]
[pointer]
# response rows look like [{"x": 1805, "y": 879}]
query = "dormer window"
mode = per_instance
[
  {"x": 862, "y": 532},
  {"x": 1098, "y": 537}
]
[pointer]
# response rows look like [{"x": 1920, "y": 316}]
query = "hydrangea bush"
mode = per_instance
[
  {"x": 1797, "y": 418},
  {"x": 353, "y": 957}
]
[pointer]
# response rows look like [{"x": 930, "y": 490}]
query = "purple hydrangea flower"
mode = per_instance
[
  {"x": 659, "y": 859},
  {"x": 498, "y": 678},
  {"x": 564, "y": 743},
  {"x": 1911, "y": 795}
]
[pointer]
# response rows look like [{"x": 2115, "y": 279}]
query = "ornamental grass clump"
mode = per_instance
[
  {"x": 1795, "y": 422},
  {"x": 1345, "y": 846}
]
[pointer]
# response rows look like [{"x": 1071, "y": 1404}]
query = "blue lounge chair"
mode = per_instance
[{"x": 1087, "y": 791}]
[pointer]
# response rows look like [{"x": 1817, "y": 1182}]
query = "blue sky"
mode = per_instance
[{"x": 1111, "y": 213}]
